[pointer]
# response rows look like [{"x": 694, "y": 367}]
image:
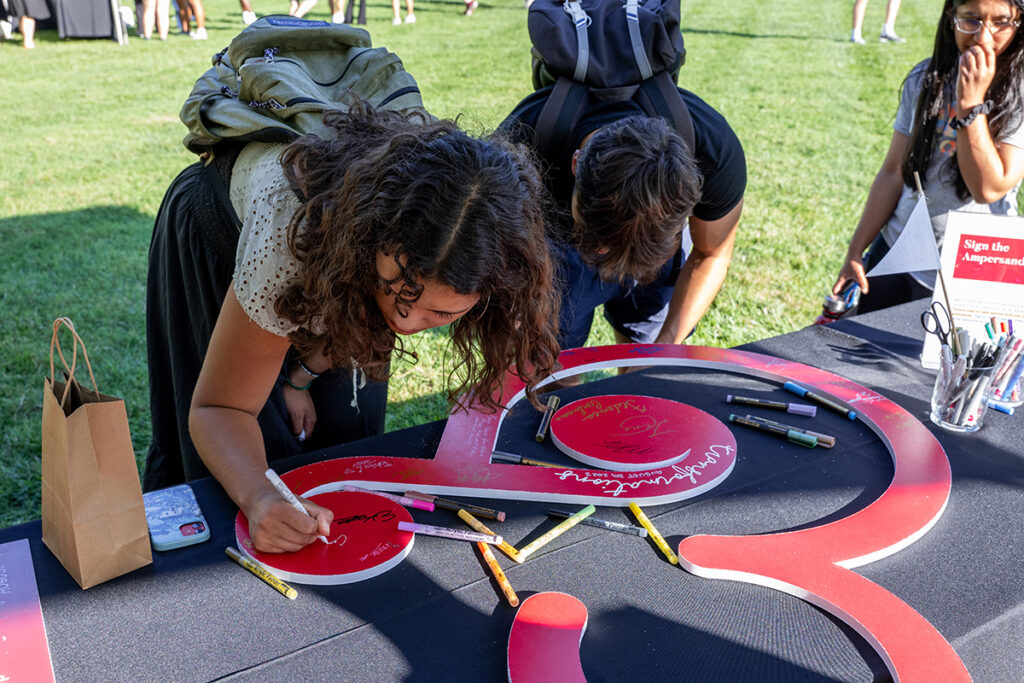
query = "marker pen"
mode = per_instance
[
  {"x": 401, "y": 500},
  {"x": 455, "y": 506},
  {"x": 268, "y": 578},
  {"x": 501, "y": 456},
  {"x": 537, "y": 544},
  {"x": 604, "y": 524},
  {"x": 492, "y": 564},
  {"x": 477, "y": 525},
  {"x": 790, "y": 435},
  {"x": 794, "y": 408},
  {"x": 819, "y": 399},
  {"x": 658, "y": 539},
  {"x": 446, "y": 532},
  {"x": 824, "y": 440},
  {"x": 545, "y": 420},
  {"x": 289, "y": 496}
]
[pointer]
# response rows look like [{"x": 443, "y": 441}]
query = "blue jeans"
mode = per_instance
[{"x": 636, "y": 311}]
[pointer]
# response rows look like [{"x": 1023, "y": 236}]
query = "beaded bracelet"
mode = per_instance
[
  {"x": 289, "y": 382},
  {"x": 302, "y": 366}
]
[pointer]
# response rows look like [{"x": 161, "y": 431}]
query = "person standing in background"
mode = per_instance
[
  {"x": 28, "y": 13},
  {"x": 155, "y": 11},
  {"x": 888, "y": 34}
]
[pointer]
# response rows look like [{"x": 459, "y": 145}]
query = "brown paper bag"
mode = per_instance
[{"x": 93, "y": 517}]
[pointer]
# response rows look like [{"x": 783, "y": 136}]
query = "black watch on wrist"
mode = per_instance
[{"x": 978, "y": 109}]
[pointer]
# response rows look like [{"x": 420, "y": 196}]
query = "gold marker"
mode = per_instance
[
  {"x": 476, "y": 524},
  {"x": 562, "y": 527},
  {"x": 274, "y": 582},
  {"x": 492, "y": 562},
  {"x": 658, "y": 539},
  {"x": 501, "y": 456},
  {"x": 542, "y": 430}
]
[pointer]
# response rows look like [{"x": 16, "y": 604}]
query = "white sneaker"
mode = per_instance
[
  {"x": 890, "y": 38},
  {"x": 199, "y": 34},
  {"x": 248, "y": 17},
  {"x": 397, "y": 21},
  {"x": 410, "y": 18},
  {"x": 338, "y": 18},
  {"x": 5, "y": 29},
  {"x": 856, "y": 37}
]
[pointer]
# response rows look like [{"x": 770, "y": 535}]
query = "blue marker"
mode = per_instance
[{"x": 821, "y": 400}]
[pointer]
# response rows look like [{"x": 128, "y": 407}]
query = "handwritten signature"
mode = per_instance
[
  {"x": 379, "y": 516},
  {"x": 640, "y": 425},
  {"x": 374, "y": 464},
  {"x": 381, "y": 548},
  {"x": 596, "y": 408},
  {"x": 685, "y": 472}
]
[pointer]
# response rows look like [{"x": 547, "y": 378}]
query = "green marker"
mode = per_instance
[{"x": 790, "y": 435}]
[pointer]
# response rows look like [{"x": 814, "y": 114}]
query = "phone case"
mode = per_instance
[{"x": 174, "y": 518}]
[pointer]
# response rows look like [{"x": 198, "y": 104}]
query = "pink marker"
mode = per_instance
[{"x": 401, "y": 500}]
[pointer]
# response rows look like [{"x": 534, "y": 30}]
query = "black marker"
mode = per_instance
[
  {"x": 794, "y": 408},
  {"x": 542, "y": 430},
  {"x": 821, "y": 400}
]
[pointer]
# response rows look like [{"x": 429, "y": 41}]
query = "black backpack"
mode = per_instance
[{"x": 606, "y": 51}]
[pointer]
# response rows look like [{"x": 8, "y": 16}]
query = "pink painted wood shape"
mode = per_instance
[
  {"x": 813, "y": 564},
  {"x": 544, "y": 643}
]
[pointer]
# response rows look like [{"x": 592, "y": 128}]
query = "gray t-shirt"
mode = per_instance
[{"x": 939, "y": 189}]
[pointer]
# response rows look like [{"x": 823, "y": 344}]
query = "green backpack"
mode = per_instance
[{"x": 278, "y": 76}]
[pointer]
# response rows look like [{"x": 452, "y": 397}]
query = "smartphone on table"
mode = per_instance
[{"x": 174, "y": 518}]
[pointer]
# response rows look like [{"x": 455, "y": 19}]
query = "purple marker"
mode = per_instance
[
  {"x": 794, "y": 408},
  {"x": 401, "y": 500}
]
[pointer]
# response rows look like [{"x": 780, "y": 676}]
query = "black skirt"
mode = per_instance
[
  {"x": 191, "y": 265},
  {"x": 36, "y": 9}
]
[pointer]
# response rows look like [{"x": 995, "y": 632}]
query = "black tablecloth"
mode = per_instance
[{"x": 194, "y": 615}]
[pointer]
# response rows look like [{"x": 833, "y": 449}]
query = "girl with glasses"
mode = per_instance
[{"x": 959, "y": 126}]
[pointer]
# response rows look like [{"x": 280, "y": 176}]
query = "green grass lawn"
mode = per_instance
[{"x": 90, "y": 139}]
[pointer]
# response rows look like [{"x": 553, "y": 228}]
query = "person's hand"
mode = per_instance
[
  {"x": 977, "y": 69},
  {"x": 853, "y": 269},
  {"x": 301, "y": 411},
  {"x": 276, "y": 527}
]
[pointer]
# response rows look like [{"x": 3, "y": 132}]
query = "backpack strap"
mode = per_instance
[
  {"x": 580, "y": 19},
  {"x": 558, "y": 117},
  {"x": 636, "y": 40},
  {"x": 659, "y": 95}
]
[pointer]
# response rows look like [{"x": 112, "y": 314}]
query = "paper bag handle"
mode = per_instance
[{"x": 55, "y": 344}]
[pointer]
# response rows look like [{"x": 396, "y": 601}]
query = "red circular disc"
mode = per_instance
[
  {"x": 632, "y": 433},
  {"x": 364, "y": 542}
]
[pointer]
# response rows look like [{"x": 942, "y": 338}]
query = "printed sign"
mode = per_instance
[
  {"x": 632, "y": 433},
  {"x": 983, "y": 267}
]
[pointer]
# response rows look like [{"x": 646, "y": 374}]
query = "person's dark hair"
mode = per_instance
[
  {"x": 465, "y": 212},
  {"x": 938, "y": 90},
  {"x": 636, "y": 184}
]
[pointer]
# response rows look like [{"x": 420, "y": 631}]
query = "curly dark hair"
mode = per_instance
[
  {"x": 465, "y": 212},
  {"x": 636, "y": 184},
  {"x": 938, "y": 88}
]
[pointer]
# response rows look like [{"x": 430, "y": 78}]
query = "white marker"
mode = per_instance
[{"x": 283, "y": 489}]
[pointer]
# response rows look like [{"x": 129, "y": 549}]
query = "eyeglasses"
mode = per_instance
[{"x": 972, "y": 26}]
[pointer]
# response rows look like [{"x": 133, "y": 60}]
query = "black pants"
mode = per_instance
[
  {"x": 191, "y": 263},
  {"x": 888, "y": 290}
]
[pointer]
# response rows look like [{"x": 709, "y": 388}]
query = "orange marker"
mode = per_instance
[{"x": 492, "y": 562}]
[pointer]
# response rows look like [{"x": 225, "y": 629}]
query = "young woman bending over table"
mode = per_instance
[{"x": 278, "y": 339}]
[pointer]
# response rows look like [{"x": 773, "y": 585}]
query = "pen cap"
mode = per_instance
[{"x": 802, "y": 409}]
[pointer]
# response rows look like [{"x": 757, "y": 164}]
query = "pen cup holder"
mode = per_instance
[
  {"x": 1005, "y": 389},
  {"x": 959, "y": 402}
]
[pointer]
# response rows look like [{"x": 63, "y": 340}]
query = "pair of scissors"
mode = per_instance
[{"x": 936, "y": 321}]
